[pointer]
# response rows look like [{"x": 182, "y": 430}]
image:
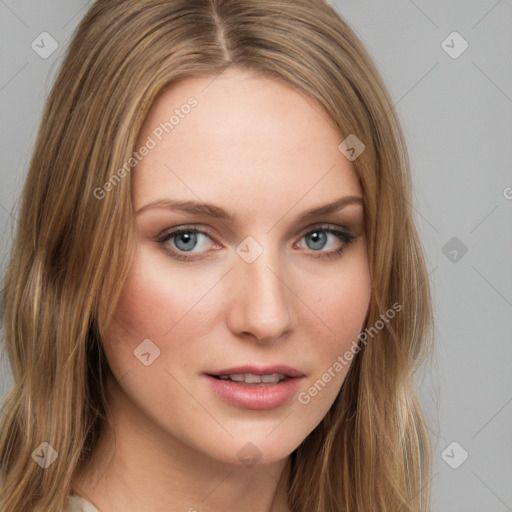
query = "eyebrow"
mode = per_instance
[{"x": 201, "y": 208}]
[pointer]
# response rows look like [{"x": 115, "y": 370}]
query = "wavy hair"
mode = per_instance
[{"x": 72, "y": 252}]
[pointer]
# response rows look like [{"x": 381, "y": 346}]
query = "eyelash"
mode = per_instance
[{"x": 343, "y": 236}]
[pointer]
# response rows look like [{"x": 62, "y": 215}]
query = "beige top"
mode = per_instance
[{"x": 78, "y": 504}]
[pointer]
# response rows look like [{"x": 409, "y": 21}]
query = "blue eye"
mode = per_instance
[
  {"x": 319, "y": 238},
  {"x": 182, "y": 243},
  {"x": 184, "y": 240}
]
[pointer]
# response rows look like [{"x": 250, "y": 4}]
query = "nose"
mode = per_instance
[{"x": 262, "y": 304}]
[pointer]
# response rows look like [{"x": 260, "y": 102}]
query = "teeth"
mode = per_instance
[
  {"x": 250, "y": 378},
  {"x": 275, "y": 377}
]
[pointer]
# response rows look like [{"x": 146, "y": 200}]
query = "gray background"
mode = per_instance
[{"x": 456, "y": 112}]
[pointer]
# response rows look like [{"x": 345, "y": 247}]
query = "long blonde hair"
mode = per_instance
[{"x": 371, "y": 452}]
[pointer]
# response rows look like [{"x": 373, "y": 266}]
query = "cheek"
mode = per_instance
[
  {"x": 154, "y": 300},
  {"x": 341, "y": 300},
  {"x": 154, "y": 303},
  {"x": 341, "y": 303}
]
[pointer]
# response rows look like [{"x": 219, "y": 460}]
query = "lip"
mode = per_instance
[{"x": 256, "y": 397}]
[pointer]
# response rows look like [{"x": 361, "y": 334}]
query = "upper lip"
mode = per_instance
[{"x": 281, "y": 369}]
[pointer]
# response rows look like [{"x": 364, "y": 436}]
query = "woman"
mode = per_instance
[{"x": 216, "y": 298}]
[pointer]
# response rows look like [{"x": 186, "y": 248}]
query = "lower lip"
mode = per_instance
[{"x": 268, "y": 396}]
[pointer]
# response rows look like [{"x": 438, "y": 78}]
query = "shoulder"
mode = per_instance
[{"x": 76, "y": 503}]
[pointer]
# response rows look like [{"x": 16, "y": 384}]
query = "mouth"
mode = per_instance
[
  {"x": 256, "y": 375},
  {"x": 250, "y": 379},
  {"x": 252, "y": 387}
]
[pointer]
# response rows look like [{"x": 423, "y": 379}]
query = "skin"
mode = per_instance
[{"x": 264, "y": 151}]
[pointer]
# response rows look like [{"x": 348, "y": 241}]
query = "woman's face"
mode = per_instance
[{"x": 255, "y": 282}]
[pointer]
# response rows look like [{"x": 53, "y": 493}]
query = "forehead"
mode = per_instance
[{"x": 244, "y": 141}]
